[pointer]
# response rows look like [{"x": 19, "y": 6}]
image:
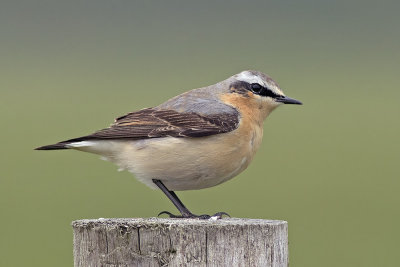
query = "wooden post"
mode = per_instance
[{"x": 180, "y": 242}]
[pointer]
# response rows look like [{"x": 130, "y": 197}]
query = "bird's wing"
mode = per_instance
[{"x": 152, "y": 123}]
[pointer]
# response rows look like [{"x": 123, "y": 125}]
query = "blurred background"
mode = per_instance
[{"x": 329, "y": 167}]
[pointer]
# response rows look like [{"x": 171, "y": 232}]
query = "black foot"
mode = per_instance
[{"x": 217, "y": 215}]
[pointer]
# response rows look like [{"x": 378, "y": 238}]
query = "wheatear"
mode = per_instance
[{"x": 198, "y": 139}]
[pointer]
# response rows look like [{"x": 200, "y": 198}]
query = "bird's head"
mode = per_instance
[
  {"x": 251, "y": 92},
  {"x": 260, "y": 86},
  {"x": 255, "y": 92}
]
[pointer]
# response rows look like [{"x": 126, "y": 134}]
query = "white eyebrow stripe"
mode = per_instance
[{"x": 248, "y": 77}]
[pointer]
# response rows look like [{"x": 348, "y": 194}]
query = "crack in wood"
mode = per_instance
[{"x": 180, "y": 242}]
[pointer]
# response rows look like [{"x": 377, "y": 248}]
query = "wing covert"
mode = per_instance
[{"x": 152, "y": 123}]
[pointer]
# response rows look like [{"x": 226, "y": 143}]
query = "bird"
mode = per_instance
[{"x": 198, "y": 139}]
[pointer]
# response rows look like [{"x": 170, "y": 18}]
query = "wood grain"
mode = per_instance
[{"x": 180, "y": 242}]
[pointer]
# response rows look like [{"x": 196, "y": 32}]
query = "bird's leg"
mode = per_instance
[
  {"x": 180, "y": 206},
  {"x": 174, "y": 198}
]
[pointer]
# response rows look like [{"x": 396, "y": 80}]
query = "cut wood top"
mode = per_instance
[{"x": 142, "y": 222}]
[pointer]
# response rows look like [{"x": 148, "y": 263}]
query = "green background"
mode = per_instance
[{"x": 329, "y": 167}]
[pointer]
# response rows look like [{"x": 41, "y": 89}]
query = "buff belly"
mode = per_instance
[{"x": 181, "y": 163}]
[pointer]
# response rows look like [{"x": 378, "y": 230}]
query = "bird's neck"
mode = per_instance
[{"x": 253, "y": 110}]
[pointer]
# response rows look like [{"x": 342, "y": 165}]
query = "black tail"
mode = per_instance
[{"x": 60, "y": 145}]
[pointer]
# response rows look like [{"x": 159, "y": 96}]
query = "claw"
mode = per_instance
[
  {"x": 221, "y": 214},
  {"x": 186, "y": 214},
  {"x": 203, "y": 217},
  {"x": 183, "y": 216},
  {"x": 169, "y": 214},
  {"x": 218, "y": 215}
]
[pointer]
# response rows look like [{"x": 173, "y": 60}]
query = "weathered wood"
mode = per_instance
[{"x": 180, "y": 242}]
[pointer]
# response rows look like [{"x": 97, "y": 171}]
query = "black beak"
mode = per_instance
[{"x": 288, "y": 100}]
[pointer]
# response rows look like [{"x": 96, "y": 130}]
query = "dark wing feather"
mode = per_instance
[{"x": 152, "y": 123}]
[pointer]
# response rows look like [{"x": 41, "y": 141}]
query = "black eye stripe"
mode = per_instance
[
  {"x": 263, "y": 91},
  {"x": 268, "y": 92},
  {"x": 243, "y": 87}
]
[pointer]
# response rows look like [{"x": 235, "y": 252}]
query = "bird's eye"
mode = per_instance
[{"x": 256, "y": 88}]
